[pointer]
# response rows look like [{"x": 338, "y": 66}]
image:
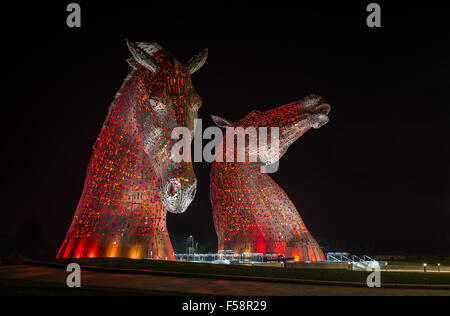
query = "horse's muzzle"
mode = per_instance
[{"x": 177, "y": 195}]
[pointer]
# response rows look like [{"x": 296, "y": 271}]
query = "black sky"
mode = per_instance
[{"x": 376, "y": 178}]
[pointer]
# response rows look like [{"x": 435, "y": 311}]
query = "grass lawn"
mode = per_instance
[
  {"x": 417, "y": 263},
  {"x": 273, "y": 272}
]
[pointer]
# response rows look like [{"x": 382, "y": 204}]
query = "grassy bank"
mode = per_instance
[
  {"x": 418, "y": 263},
  {"x": 284, "y": 273}
]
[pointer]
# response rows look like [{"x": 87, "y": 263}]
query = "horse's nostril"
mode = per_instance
[{"x": 172, "y": 188}]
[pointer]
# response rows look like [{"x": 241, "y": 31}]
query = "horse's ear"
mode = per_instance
[
  {"x": 141, "y": 56},
  {"x": 133, "y": 63},
  {"x": 221, "y": 122},
  {"x": 197, "y": 62}
]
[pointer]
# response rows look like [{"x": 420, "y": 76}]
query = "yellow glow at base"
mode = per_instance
[{"x": 135, "y": 252}]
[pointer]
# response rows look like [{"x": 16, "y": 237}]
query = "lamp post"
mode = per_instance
[
  {"x": 424, "y": 267},
  {"x": 439, "y": 267},
  {"x": 191, "y": 238},
  {"x": 187, "y": 244}
]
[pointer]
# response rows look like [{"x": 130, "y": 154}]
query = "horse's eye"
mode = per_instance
[
  {"x": 158, "y": 106},
  {"x": 196, "y": 107}
]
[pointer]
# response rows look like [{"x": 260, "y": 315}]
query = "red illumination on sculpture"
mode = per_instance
[
  {"x": 252, "y": 214},
  {"x": 131, "y": 181}
]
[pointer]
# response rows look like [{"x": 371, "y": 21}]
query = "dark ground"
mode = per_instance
[
  {"x": 42, "y": 280},
  {"x": 257, "y": 271}
]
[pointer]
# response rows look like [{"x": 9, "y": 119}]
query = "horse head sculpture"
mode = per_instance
[
  {"x": 252, "y": 213},
  {"x": 131, "y": 180},
  {"x": 166, "y": 100}
]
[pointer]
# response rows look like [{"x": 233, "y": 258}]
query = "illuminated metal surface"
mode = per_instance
[
  {"x": 252, "y": 214},
  {"x": 131, "y": 180}
]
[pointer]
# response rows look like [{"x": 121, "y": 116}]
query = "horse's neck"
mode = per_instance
[
  {"x": 245, "y": 175},
  {"x": 247, "y": 181},
  {"x": 121, "y": 111},
  {"x": 243, "y": 183},
  {"x": 119, "y": 141}
]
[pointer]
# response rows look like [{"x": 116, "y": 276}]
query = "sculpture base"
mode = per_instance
[
  {"x": 303, "y": 250},
  {"x": 158, "y": 248}
]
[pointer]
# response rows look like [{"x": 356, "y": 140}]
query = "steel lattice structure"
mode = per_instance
[
  {"x": 252, "y": 214},
  {"x": 131, "y": 181}
]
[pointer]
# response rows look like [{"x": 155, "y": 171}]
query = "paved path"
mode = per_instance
[{"x": 196, "y": 285}]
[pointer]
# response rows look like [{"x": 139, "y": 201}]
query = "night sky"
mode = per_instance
[{"x": 374, "y": 180}]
